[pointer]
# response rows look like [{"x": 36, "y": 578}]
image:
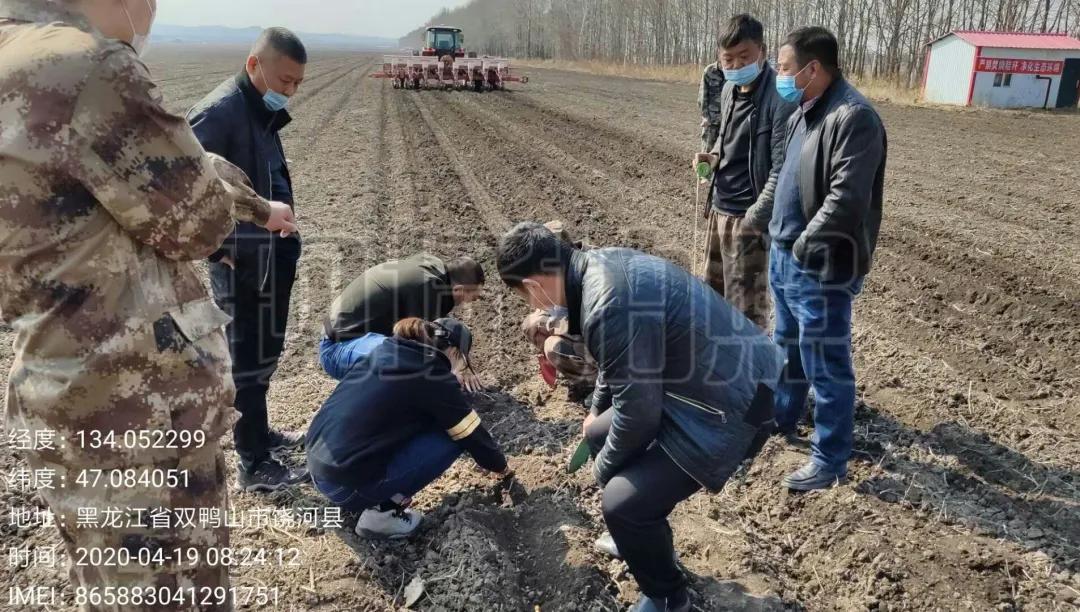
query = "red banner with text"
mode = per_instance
[{"x": 1018, "y": 66}]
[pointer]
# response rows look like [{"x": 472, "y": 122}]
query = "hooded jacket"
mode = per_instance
[
  {"x": 403, "y": 389},
  {"x": 678, "y": 364}
]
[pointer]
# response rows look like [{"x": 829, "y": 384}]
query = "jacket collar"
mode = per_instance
[
  {"x": 764, "y": 81},
  {"x": 826, "y": 100},
  {"x": 574, "y": 273},
  {"x": 43, "y": 11},
  {"x": 268, "y": 120}
]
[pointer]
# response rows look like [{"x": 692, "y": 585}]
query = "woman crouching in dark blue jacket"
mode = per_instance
[{"x": 398, "y": 421}]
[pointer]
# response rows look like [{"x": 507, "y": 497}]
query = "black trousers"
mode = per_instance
[
  {"x": 637, "y": 501},
  {"x": 257, "y": 295},
  {"x": 636, "y": 504}
]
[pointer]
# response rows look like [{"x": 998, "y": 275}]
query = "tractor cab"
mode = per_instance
[{"x": 443, "y": 41}]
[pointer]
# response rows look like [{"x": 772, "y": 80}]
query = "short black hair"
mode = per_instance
[
  {"x": 530, "y": 249},
  {"x": 284, "y": 42},
  {"x": 742, "y": 28},
  {"x": 465, "y": 271},
  {"x": 815, "y": 43}
]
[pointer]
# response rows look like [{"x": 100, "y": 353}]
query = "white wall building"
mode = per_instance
[{"x": 1003, "y": 70}]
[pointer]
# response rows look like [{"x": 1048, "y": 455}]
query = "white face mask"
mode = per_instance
[
  {"x": 139, "y": 42},
  {"x": 554, "y": 311}
]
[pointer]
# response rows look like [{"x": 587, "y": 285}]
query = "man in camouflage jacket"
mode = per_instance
[
  {"x": 712, "y": 84},
  {"x": 106, "y": 199}
]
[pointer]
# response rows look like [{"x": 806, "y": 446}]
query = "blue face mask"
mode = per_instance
[
  {"x": 788, "y": 90},
  {"x": 745, "y": 75},
  {"x": 275, "y": 101}
]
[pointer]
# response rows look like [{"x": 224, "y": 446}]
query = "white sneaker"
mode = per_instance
[
  {"x": 389, "y": 525},
  {"x": 606, "y": 545}
]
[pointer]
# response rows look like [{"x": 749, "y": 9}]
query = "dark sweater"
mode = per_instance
[
  {"x": 733, "y": 190},
  {"x": 403, "y": 389},
  {"x": 417, "y": 286},
  {"x": 788, "y": 220}
]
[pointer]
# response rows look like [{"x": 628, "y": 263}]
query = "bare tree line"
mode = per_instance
[{"x": 882, "y": 39}]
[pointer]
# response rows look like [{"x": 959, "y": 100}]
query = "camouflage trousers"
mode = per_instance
[
  {"x": 709, "y": 134},
  {"x": 206, "y": 489},
  {"x": 570, "y": 358},
  {"x": 738, "y": 266}
]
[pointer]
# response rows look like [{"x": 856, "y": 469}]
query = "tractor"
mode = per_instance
[
  {"x": 442, "y": 41},
  {"x": 444, "y": 63}
]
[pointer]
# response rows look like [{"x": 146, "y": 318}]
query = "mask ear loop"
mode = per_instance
[
  {"x": 131, "y": 22},
  {"x": 551, "y": 302}
]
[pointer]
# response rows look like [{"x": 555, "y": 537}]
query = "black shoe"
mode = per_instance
[
  {"x": 270, "y": 475},
  {"x": 286, "y": 440}
]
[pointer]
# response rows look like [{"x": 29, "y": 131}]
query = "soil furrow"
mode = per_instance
[{"x": 495, "y": 220}]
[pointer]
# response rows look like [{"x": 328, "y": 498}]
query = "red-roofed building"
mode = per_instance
[{"x": 1003, "y": 70}]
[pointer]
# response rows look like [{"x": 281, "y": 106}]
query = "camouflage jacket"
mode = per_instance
[
  {"x": 712, "y": 84},
  {"x": 106, "y": 199}
]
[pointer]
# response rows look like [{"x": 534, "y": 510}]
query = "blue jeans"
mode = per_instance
[
  {"x": 338, "y": 357},
  {"x": 813, "y": 326},
  {"x": 415, "y": 466}
]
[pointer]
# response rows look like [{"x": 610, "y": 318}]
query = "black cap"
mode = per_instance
[{"x": 458, "y": 335}]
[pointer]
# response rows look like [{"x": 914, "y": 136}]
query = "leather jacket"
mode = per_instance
[
  {"x": 842, "y": 178},
  {"x": 678, "y": 364}
]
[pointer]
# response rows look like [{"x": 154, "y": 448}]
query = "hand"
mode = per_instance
[
  {"x": 585, "y": 426},
  {"x": 706, "y": 157},
  {"x": 704, "y": 123},
  {"x": 470, "y": 382},
  {"x": 282, "y": 219},
  {"x": 506, "y": 473}
]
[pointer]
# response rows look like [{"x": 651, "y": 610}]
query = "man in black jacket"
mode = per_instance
[
  {"x": 253, "y": 273},
  {"x": 684, "y": 392},
  {"x": 824, "y": 226},
  {"x": 749, "y": 151}
]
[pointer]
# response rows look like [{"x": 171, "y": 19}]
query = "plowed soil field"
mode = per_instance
[{"x": 964, "y": 490}]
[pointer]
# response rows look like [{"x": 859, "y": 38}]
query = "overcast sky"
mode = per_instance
[{"x": 389, "y": 18}]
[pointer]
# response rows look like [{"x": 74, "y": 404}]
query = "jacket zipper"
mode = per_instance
[
  {"x": 269, "y": 251},
  {"x": 698, "y": 405},
  {"x": 679, "y": 465},
  {"x": 753, "y": 137}
]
